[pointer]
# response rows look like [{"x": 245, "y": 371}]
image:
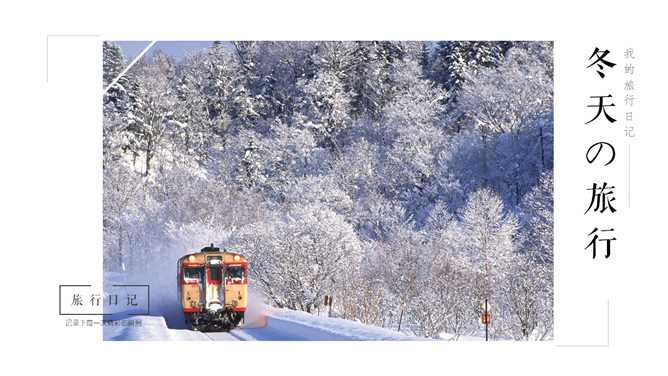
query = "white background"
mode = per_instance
[{"x": 51, "y": 183}]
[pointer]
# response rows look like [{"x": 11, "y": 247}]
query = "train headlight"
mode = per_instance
[
  {"x": 236, "y": 257},
  {"x": 191, "y": 258}
]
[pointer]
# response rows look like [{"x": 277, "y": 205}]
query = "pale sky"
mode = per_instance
[{"x": 177, "y": 49}]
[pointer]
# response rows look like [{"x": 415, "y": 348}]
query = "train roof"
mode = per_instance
[{"x": 211, "y": 250}]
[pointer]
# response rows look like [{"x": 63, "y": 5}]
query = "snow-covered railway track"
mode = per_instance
[
  {"x": 225, "y": 336},
  {"x": 219, "y": 336}
]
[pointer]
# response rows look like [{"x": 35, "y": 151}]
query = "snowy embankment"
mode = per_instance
[{"x": 311, "y": 327}]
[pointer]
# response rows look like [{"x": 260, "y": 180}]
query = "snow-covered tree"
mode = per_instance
[
  {"x": 377, "y": 218},
  {"x": 322, "y": 190},
  {"x": 356, "y": 170},
  {"x": 299, "y": 259},
  {"x": 489, "y": 232},
  {"x": 507, "y": 98},
  {"x": 324, "y": 107},
  {"x": 445, "y": 304},
  {"x": 113, "y": 62},
  {"x": 122, "y": 190},
  {"x": 510, "y": 106},
  {"x": 405, "y": 271},
  {"x": 530, "y": 299},
  {"x": 538, "y": 217},
  {"x": 151, "y": 115},
  {"x": 371, "y": 85},
  {"x": 409, "y": 130},
  {"x": 454, "y": 59}
]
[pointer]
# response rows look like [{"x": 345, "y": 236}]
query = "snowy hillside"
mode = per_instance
[{"x": 409, "y": 180}]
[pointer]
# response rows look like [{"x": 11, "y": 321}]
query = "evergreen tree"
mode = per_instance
[
  {"x": 113, "y": 62},
  {"x": 453, "y": 59}
]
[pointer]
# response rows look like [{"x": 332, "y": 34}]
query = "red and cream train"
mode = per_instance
[{"x": 213, "y": 288}]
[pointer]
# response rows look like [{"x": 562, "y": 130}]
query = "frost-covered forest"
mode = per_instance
[{"x": 406, "y": 179}]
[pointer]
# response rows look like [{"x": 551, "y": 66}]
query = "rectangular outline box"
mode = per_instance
[{"x": 60, "y": 295}]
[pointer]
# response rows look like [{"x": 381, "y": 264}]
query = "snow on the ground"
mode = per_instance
[
  {"x": 275, "y": 325},
  {"x": 320, "y": 328},
  {"x": 279, "y": 325},
  {"x": 453, "y": 337},
  {"x": 152, "y": 328}
]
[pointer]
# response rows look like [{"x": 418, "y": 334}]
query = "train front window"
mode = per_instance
[
  {"x": 193, "y": 275},
  {"x": 215, "y": 275},
  {"x": 234, "y": 273}
]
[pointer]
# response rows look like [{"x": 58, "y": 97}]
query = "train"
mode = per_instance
[{"x": 213, "y": 289}]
